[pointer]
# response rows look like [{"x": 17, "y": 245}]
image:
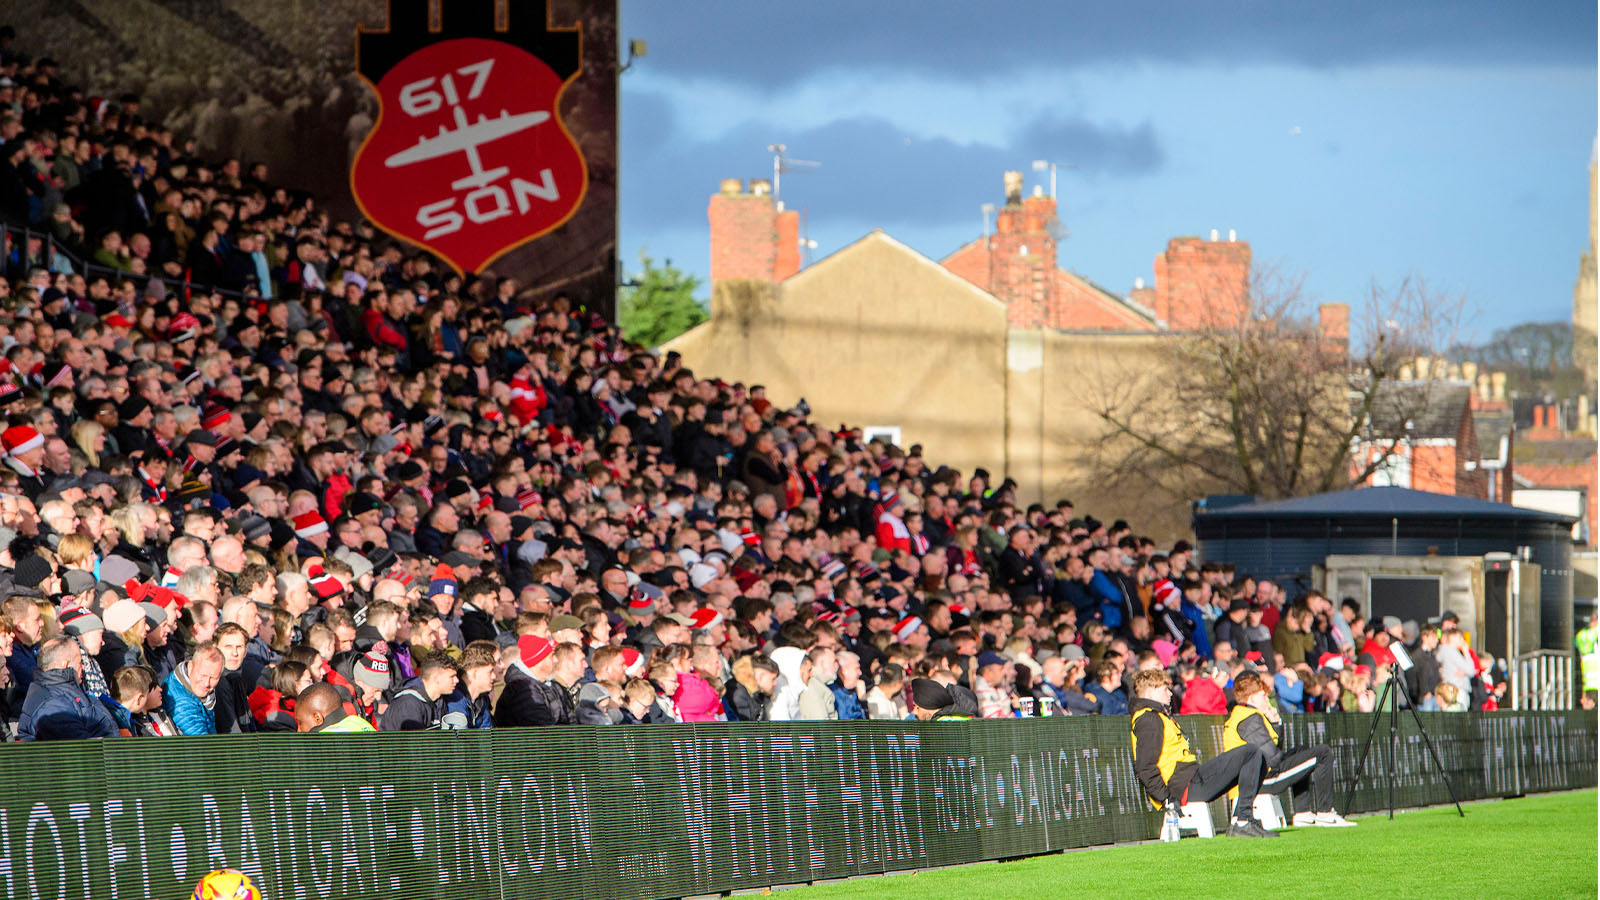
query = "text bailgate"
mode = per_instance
[{"x": 647, "y": 811}]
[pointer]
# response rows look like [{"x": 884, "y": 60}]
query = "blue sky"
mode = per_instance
[{"x": 1351, "y": 143}]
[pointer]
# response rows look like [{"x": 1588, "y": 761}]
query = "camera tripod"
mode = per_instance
[{"x": 1393, "y": 690}]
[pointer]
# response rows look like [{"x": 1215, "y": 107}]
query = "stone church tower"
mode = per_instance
[{"x": 1585, "y": 302}]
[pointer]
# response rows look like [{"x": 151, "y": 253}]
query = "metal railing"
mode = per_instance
[
  {"x": 1542, "y": 680},
  {"x": 17, "y": 263}
]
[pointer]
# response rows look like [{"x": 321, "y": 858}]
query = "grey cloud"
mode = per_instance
[
  {"x": 776, "y": 44},
  {"x": 871, "y": 169}
]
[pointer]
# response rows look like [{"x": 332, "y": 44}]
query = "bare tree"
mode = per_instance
[{"x": 1266, "y": 403}]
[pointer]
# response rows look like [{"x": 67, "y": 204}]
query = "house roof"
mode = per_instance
[
  {"x": 879, "y": 236},
  {"x": 1433, "y": 409},
  {"x": 1563, "y": 452},
  {"x": 1384, "y": 502},
  {"x": 1134, "y": 311}
]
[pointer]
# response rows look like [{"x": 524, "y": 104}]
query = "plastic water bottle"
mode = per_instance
[{"x": 1169, "y": 824}]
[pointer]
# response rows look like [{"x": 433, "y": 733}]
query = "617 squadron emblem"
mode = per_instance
[{"x": 469, "y": 157}]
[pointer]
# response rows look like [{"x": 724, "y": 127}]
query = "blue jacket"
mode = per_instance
[
  {"x": 21, "y": 662},
  {"x": 57, "y": 709},
  {"x": 185, "y": 709},
  {"x": 1112, "y": 702},
  {"x": 478, "y": 715},
  {"x": 1202, "y": 640},
  {"x": 1110, "y": 599},
  {"x": 846, "y": 703},
  {"x": 1291, "y": 695}
]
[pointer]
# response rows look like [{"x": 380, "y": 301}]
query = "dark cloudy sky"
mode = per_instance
[{"x": 1347, "y": 142}]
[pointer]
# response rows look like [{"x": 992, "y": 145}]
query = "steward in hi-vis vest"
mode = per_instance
[
  {"x": 1253, "y": 723},
  {"x": 1167, "y": 766}
]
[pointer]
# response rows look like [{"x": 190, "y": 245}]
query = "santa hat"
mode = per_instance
[
  {"x": 326, "y": 586},
  {"x": 957, "y": 609},
  {"x": 55, "y": 374},
  {"x": 705, "y": 618},
  {"x": 215, "y": 416},
  {"x": 632, "y": 662},
  {"x": 533, "y": 649},
  {"x": 184, "y": 327},
  {"x": 1330, "y": 661},
  {"x": 19, "y": 439},
  {"x": 906, "y": 627},
  {"x": 443, "y": 582},
  {"x": 309, "y": 523}
]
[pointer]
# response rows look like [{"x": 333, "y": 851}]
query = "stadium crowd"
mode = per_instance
[{"x": 268, "y": 471}]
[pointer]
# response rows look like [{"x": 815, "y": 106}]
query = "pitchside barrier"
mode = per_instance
[{"x": 654, "y": 811}]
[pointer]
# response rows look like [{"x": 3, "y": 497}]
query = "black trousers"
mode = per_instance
[
  {"x": 1305, "y": 769},
  {"x": 1241, "y": 765}
]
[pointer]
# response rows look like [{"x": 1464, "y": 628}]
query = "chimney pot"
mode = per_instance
[
  {"x": 1233, "y": 236},
  {"x": 732, "y": 185},
  {"x": 760, "y": 187},
  {"x": 1213, "y": 234}
]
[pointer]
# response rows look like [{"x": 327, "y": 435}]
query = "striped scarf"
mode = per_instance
[{"x": 94, "y": 680}]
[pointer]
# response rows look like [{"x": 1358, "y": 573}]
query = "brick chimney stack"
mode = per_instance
[
  {"x": 1024, "y": 254},
  {"x": 1201, "y": 284},
  {"x": 1333, "y": 321},
  {"x": 750, "y": 237}
]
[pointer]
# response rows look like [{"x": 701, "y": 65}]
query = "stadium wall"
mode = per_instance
[{"x": 653, "y": 812}]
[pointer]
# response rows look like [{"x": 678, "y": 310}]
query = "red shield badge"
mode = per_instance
[{"x": 469, "y": 157}]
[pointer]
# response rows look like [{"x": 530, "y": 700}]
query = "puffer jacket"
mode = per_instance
[
  {"x": 57, "y": 709},
  {"x": 528, "y": 701},
  {"x": 188, "y": 712}
]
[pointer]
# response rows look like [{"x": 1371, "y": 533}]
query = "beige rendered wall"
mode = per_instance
[
  {"x": 879, "y": 335},
  {"x": 875, "y": 335},
  {"x": 1077, "y": 369}
]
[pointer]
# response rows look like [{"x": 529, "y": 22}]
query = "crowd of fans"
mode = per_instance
[{"x": 277, "y": 472}]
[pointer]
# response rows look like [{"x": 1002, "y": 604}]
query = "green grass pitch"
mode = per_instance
[{"x": 1541, "y": 846}]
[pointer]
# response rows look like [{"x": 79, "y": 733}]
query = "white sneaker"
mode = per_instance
[
  {"x": 1332, "y": 819},
  {"x": 1305, "y": 819}
]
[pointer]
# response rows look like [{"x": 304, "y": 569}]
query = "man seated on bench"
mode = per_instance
[
  {"x": 1171, "y": 773},
  {"x": 1253, "y": 723}
]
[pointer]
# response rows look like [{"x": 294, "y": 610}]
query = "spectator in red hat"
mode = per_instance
[
  {"x": 24, "y": 455},
  {"x": 529, "y": 698}
]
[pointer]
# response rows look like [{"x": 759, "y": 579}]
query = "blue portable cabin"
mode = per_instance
[{"x": 1283, "y": 539}]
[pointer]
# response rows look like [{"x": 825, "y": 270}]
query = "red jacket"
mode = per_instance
[
  {"x": 892, "y": 533},
  {"x": 1381, "y": 655},
  {"x": 1202, "y": 697},
  {"x": 380, "y": 331}
]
